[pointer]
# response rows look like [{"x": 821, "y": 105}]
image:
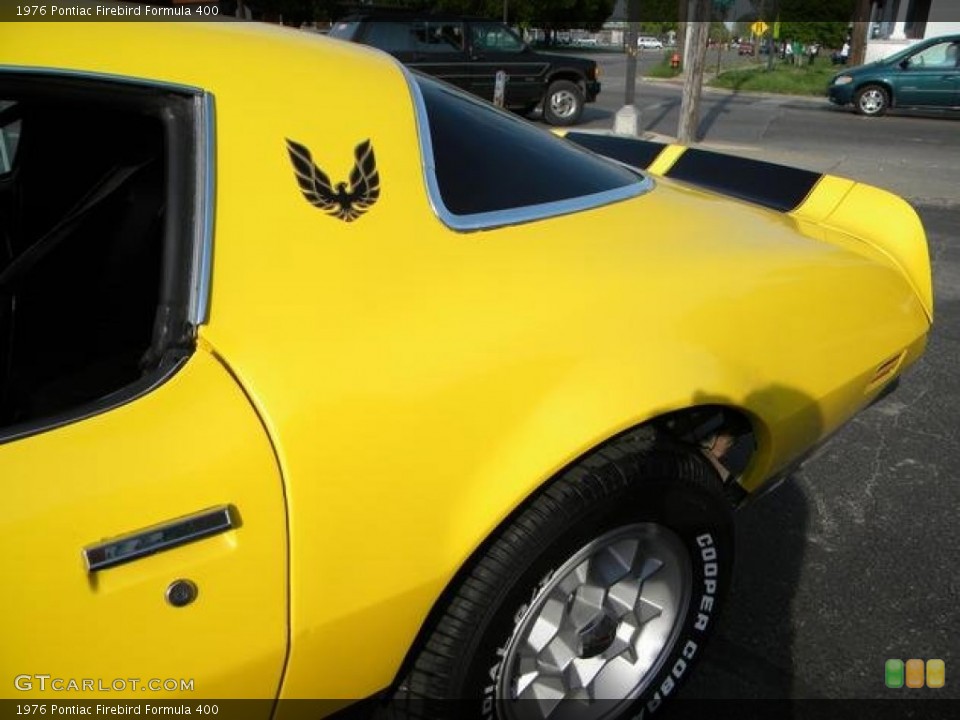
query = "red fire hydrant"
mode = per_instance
[{"x": 675, "y": 60}]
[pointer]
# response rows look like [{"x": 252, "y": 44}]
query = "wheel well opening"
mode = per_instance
[
  {"x": 724, "y": 434},
  {"x": 704, "y": 429},
  {"x": 573, "y": 77}
]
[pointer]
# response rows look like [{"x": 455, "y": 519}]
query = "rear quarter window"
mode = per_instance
[{"x": 487, "y": 161}]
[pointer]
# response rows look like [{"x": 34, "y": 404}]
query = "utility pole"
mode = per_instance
[
  {"x": 682, "y": 13},
  {"x": 861, "y": 24},
  {"x": 627, "y": 120},
  {"x": 772, "y": 23},
  {"x": 699, "y": 23}
]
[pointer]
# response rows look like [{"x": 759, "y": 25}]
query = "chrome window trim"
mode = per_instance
[
  {"x": 511, "y": 216},
  {"x": 204, "y": 128}
]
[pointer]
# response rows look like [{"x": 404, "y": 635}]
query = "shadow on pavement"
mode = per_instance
[
  {"x": 593, "y": 113},
  {"x": 665, "y": 108},
  {"x": 751, "y": 657},
  {"x": 712, "y": 115}
]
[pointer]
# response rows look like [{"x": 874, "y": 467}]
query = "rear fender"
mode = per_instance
[{"x": 868, "y": 214}]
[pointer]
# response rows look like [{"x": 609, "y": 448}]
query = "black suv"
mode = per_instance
[{"x": 468, "y": 52}]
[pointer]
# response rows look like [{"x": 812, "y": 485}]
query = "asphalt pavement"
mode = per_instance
[{"x": 853, "y": 561}]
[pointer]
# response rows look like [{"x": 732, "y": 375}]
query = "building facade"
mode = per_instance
[{"x": 896, "y": 24}]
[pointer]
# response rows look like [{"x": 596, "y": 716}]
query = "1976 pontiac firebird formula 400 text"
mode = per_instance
[{"x": 349, "y": 394}]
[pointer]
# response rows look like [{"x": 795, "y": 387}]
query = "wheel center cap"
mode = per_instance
[{"x": 597, "y": 635}]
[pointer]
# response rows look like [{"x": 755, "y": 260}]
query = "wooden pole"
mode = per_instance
[
  {"x": 627, "y": 119},
  {"x": 633, "y": 31},
  {"x": 697, "y": 52},
  {"x": 861, "y": 24},
  {"x": 682, "y": 31}
]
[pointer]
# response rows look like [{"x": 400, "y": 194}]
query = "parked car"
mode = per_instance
[
  {"x": 646, "y": 42},
  {"x": 387, "y": 393},
  {"x": 924, "y": 75},
  {"x": 745, "y": 48},
  {"x": 468, "y": 52}
]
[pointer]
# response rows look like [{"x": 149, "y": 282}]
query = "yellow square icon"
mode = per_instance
[
  {"x": 914, "y": 673},
  {"x": 936, "y": 673}
]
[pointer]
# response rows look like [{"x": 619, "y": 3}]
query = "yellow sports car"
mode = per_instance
[{"x": 311, "y": 391}]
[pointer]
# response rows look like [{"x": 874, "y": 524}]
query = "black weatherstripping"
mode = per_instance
[
  {"x": 631, "y": 151},
  {"x": 774, "y": 186}
]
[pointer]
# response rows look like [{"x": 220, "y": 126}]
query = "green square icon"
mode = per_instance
[{"x": 893, "y": 673}]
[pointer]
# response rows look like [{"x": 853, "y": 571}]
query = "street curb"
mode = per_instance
[{"x": 727, "y": 91}]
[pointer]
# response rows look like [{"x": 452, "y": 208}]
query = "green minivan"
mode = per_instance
[{"x": 923, "y": 75}]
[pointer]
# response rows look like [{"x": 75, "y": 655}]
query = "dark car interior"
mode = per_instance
[{"x": 83, "y": 225}]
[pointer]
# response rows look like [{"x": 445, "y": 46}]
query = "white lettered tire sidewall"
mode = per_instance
[
  {"x": 706, "y": 534},
  {"x": 636, "y": 487}
]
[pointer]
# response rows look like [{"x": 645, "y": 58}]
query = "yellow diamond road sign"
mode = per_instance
[{"x": 759, "y": 27}]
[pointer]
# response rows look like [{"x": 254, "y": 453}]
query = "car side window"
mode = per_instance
[
  {"x": 438, "y": 37},
  {"x": 389, "y": 36},
  {"x": 941, "y": 55},
  {"x": 97, "y": 218},
  {"x": 491, "y": 36}
]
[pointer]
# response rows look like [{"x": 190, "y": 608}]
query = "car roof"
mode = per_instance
[
  {"x": 933, "y": 41},
  {"x": 208, "y": 55}
]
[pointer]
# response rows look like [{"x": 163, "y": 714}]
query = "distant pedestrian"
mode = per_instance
[{"x": 841, "y": 56}]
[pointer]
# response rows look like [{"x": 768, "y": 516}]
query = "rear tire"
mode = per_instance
[
  {"x": 563, "y": 104},
  {"x": 606, "y": 585}
]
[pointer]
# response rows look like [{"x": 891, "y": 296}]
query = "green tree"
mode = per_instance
[
  {"x": 826, "y": 34},
  {"x": 814, "y": 11}
]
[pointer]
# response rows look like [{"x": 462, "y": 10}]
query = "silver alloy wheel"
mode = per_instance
[
  {"x": 563, "y": 103},
  {"x": 872, "y": 101},
  {"x": 600, "y": 628}
]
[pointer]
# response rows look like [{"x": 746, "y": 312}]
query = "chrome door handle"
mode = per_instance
[{"x": 157, "y": 538}]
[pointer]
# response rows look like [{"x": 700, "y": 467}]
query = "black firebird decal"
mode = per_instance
[{"x": 342, "y": 203}]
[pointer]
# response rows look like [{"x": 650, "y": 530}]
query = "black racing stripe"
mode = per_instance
[
  {"x": 779, "y": 187},
  {"x": 631, "y": 151}
]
